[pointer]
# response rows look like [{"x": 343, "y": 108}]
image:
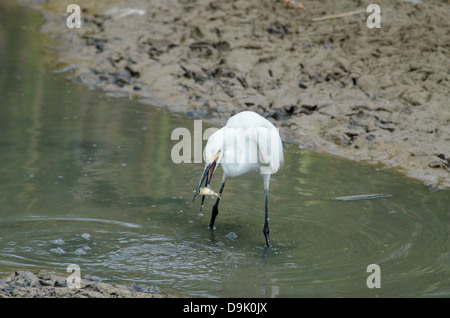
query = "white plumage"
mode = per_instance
[{"x": 247, "y": 142}]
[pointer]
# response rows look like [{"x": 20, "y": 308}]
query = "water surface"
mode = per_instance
[{"x": 88, "y": 179}]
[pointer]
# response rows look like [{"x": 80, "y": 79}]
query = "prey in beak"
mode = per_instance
[
  {"x": 207, "y": 174},
  {"x": 210, "y": 166}
]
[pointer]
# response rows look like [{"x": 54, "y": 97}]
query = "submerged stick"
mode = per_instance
[
  {"x": 363, "y": 197},
  {"x": 337, "y": 16}
]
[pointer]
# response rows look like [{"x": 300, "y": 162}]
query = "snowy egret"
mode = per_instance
[{"x": 248, "y": 142}]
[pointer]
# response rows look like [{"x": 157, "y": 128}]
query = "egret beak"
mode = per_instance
[{"x": 207, "y": 173}]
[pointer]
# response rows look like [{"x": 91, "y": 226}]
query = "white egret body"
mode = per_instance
[{"x": 248, "y": 142}]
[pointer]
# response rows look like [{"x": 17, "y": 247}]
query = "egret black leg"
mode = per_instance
[
  {"x": 203, "y": 201},
  {"x": 215, "y": 209},
  {"x": 266, "y": 219}
]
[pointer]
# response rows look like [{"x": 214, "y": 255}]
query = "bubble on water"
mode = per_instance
[
  {"x": 58, "y": 241},
  {"x": 80, "y": 251},
  {"x": 58, "y": 250},
  {"x": 86, "y": 236},
  {"x": 231, "y": 235}
]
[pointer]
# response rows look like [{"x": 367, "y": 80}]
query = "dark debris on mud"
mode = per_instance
[{"x": 25, "y": 284}]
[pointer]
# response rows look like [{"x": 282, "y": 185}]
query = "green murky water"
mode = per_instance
[{"x": 87, "y": 179}]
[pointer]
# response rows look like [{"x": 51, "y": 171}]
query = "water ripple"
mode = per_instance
[{"x": 43, "y": 218}]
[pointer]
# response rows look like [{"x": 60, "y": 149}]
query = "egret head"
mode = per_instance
[
  {"x": 213, "y": 155},
  {"x": 211, "y": 161}
]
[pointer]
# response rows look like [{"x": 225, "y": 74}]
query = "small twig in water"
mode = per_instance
[{"x": 363, "y": 197}]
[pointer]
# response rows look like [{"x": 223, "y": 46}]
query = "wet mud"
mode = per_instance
[
  {"x": 26, "y": 284},
  {"x": 332, "y": 85}
]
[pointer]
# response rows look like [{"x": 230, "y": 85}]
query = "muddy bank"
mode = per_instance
[
  {"x": 336, "y": 86},
  {"x": 26, "y": 284}
]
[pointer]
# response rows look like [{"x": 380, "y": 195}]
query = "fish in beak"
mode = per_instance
[{"x": 207, "y": 174}]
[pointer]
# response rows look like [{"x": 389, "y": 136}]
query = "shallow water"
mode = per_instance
[{"x": 88, "y": 179}]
